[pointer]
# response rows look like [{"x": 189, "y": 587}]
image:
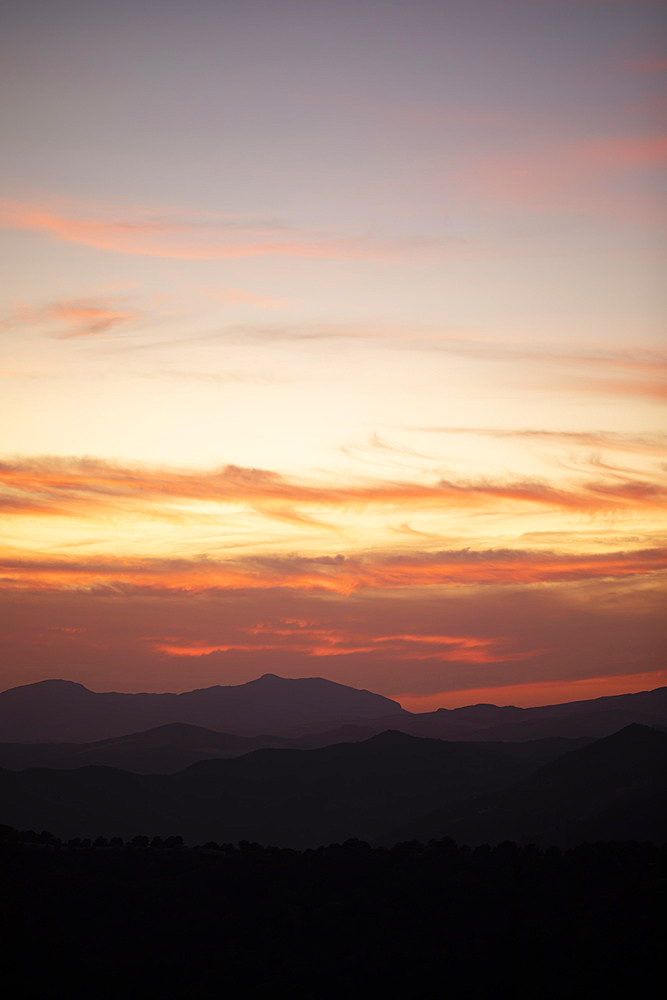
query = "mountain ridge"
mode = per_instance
[
  {"x": 376, "y": 790},
  {"x": 57, "y": 711},
  {"x": 612, "y": 788}
]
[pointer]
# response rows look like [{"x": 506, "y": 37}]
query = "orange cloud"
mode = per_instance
[
  {"x": 198, "y": 237},
  {"x": 88, "y": 486},
  {"x": 448, "y": 569},
  {"x": 85, "y": 318},
  {"x": 78, "y": 317},
  {"x": 317, "y": 641}
]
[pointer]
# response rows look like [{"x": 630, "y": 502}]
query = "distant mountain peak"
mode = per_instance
[
  {"x": 50, "y": 686},
  {"x": 54, "y": 682}
]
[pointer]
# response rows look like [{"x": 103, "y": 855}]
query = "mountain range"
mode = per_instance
[
  {"x": 62, "y": 711},
  {"x": 389, "y": 788},
  {"x": 271, "y": 707},
  {"x": 299, "y": 763}
]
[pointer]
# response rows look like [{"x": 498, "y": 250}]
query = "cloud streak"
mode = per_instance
[
  {"x": 148, "y": 233},
  {"x": 336, "y": 574},
  {"x": 74, "y": 317},
  {"x": 83, "y": 318},
  {"x": 313, "y": 640},
  {"x": 572, "y": 177},
  {"x": 87, "y": 486},
  {"x": 639, "y": 444},
  {"x": 414, "y": 336}
]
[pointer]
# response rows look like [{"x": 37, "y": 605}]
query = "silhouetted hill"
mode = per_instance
[
  {"x": 594, "y": 718},
  {"x": 292, "y": 798},
  {"x": 268, "y": 712},
  {"x": 58, "y": 710},
  {"x": 163, "y": 750},
  {"x": 614, "y": 788}
]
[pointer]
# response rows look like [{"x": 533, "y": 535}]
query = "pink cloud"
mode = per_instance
[
  {"x": 327, "y": 642},
  {"x": 74, "y": 317},
  {"x": 576, "y": 176},
  {"x": 206, "y": 237},
  {"x": 647, "y": 388},
  {"x": 85, "y": 318}
]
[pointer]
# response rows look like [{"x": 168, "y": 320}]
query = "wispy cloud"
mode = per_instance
[
  {"x": 86, "y": 486},
  {"x": 641, "y": 444},
  {"x": 644, "y": 388},
  {"x": 413, "y": 336},
  {"x": 73, "y": 317},
  {"x": 316, "y": 640},
  {"x": 149, "y": 233},
  {"x": 641, "y": 372},
  {"x": 572, "y": 177},
  {"x": 85, "y": 318},
  {"x": 336, "y": 574}
]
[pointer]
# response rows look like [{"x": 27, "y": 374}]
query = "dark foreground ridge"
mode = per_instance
[{"x": 159, "y": 920}]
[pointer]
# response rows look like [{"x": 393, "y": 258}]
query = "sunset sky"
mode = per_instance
[{"x": 333, "y": 344}]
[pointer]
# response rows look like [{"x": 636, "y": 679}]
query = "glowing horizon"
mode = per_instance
[{"x": 334, "y": 344}]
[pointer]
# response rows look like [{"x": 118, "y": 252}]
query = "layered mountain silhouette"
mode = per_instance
[
  {"x": 612, "y": 789},
  {"x": 304, "y": 710},
  {"x": 299, "y": 763},
  {"x": 162, "y": 750},
  {"x": 63, "y": 711},
  {"x": 165, "y": 749},
  {"x": 375, "y": 790},
  {"x": 593, "y": 718}
]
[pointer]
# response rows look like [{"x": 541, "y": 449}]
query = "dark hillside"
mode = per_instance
[
  {"x": 614, "y": 787},
  {"x": 296, "y": 798}
]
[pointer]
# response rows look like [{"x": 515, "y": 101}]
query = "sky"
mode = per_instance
[{"x": 333, "y": 344}]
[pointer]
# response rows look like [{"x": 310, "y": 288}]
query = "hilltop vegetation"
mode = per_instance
[{"x": 345, "y": 920}]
